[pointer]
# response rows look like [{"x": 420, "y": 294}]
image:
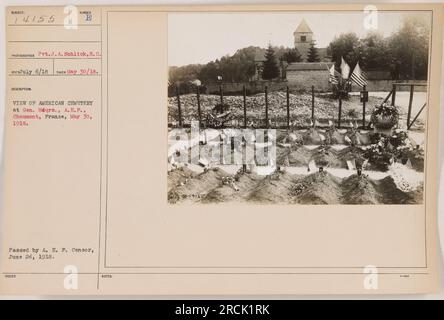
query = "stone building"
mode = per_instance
[
  {"x": 303, "y": 37},
  {"x": 303, "y": 75}
]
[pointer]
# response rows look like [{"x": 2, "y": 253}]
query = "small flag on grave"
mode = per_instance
[
  {"x": 358, "y": 76},
  {"x": 333, "y": 75},
  {"x": 345, "y": 69}
]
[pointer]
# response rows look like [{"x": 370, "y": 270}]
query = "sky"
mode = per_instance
[{"x": 203, "y": 37}]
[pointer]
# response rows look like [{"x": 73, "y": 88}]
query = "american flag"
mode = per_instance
[
  {"x": 333, "y": 75},
  {"x": 345, "y": 69},
  {"x": 358, "y": 76}
]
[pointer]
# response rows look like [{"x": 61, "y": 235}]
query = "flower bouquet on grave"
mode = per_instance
[{"x": 384, "y": 118}]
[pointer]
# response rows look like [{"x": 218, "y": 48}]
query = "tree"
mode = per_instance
[
  {"x": 291, "y": 55},
  {"x": 404, "y": 54},
  {"x": 312, "y": 55},
  {"x": 344, "y": 46},
  {"x": 209, "y": 72},
  {"x": 236, "y": 68},
  {"x": 409, "y": 47},
  {"x": 271, "y": 68},
  {"x": 373, "y": 52},
  {"x": 186, "y": 73},
  {"x": 240, "y": 66}
]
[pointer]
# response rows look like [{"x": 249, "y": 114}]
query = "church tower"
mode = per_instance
[{"x": 303, "y": 36}]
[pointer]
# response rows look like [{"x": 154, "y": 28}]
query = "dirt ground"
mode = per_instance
[{"x": 285, "y": 188}]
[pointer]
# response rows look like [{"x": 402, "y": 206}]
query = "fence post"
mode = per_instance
[
  {"x": 393, "y": 94},
  {"x": 244, "y": 166},
  {"x": 409, "y": 113},
  {"x": 340, "y": 110},
  {"x": 364, "y": 89},
  {"x": 245, "y": 106},
  {"x": 312, "y": 104},
  {"x": 417, "y": 115},
  {"x": 221, "y": 93},
  {"x": 178, "y": 106},
  {"x": 198, "y": 106},
  {"x": 288, "y": 108},
  {"x": 266, "y": 106}
]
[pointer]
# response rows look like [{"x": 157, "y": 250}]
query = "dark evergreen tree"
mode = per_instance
[
  {"x": 271, "y": 68},
  {"x": 312, "y": 53}
]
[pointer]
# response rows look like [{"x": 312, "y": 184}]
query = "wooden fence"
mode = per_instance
[{"x": 412, "y": 86}]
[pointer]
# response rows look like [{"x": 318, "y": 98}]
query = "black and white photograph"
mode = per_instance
[
  {"x": 221, "y": 150},
  {"x": 303, "y": 107}
]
